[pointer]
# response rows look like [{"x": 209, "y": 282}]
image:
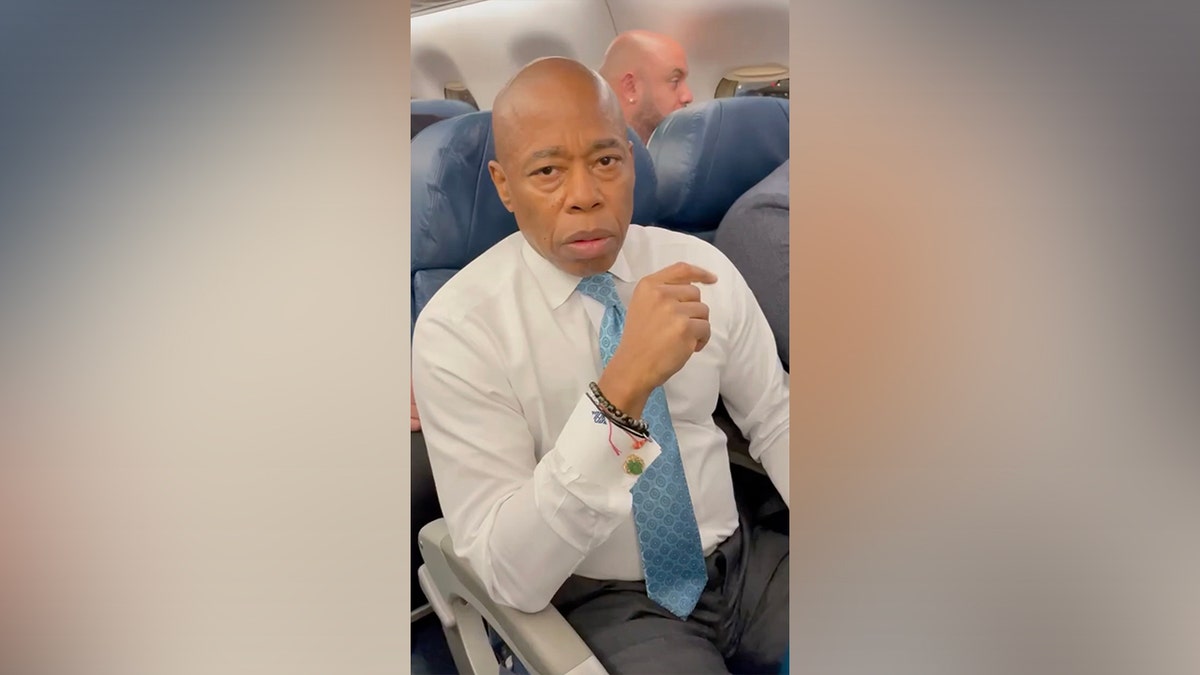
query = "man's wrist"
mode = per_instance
[
  {"x": 615, "y": 415},
  {"x": 624, "y": 391}
]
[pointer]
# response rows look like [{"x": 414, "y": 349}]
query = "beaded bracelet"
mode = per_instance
[
  {"x": 616, "y": 418},
  {"x": 613, "y": 413},
  {"x": 636, "y": 434}
]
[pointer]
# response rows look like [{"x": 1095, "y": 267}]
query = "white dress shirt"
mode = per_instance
[{"x": 531, "y": 483}]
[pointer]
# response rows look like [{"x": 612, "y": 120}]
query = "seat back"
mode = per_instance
[
  {"x": 456, "y": 211},
  {"x": 705, "y": 156},
  {"x": 428, "y": 111}
]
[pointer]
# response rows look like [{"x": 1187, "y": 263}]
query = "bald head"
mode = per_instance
[
  {"x": 633, "y": 47},
  {"x": 549, "y": 84},
  {"x": 648, "y": 71}
]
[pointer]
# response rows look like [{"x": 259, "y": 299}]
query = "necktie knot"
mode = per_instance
[{"x": 601, "y": 288}]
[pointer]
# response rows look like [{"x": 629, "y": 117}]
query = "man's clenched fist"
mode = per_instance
[{"x": 665, "y": 324}]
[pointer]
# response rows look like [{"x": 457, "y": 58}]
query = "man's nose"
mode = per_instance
[
  {"x": 582, "y": 192},
  {"x": 685, "y": 96}
]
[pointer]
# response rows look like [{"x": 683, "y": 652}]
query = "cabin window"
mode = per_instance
[
  {"x": 457, "y": 91},
  {"x": 769, "y": 80}
]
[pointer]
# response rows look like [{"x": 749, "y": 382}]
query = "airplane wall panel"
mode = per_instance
[{"x": 484, "y": 44}]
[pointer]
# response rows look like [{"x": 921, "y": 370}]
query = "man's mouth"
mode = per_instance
[
  {"x": 588, "y": 235},
  {"x": 589, "y": 244}
]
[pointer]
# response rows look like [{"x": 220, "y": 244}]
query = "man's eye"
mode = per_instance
[
  {"x": 545, "y": 171},
  {"x": 609, "y": 160}
]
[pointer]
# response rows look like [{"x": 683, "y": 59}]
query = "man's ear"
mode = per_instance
[
  {"x": 500, "y": 180},
  {"x": 628, "y": 87}
]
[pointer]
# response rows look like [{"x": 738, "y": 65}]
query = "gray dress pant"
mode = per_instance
[{"x": 740, "y": 624}]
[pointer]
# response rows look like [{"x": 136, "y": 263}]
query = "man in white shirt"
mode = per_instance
[{"x": 533, "y": 392}]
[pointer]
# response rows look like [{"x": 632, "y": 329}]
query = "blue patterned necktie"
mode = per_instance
[{"x": 667, "y": 533}]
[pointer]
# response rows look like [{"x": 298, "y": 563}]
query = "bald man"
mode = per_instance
[
  {"x": 648, "y": 71},
  {"x": 568, "y": 378}
]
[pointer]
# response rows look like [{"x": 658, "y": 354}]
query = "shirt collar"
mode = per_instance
[{"x": 558, "y": 285}]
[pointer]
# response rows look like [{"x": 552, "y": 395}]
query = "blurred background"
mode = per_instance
[
  {"x": 995, "y": 462},
  {"x": 203, "y": 337}
]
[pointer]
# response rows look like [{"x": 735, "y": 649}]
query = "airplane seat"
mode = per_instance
[
  {"x": 456, "y": 216},
  {"x": 708, "y": 154},
  {"x": 426, "y": 112},
  {"x": 456, "y": 213}
]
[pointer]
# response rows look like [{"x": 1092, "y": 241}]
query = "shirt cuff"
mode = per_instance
[{"x": 597, "y": 461}]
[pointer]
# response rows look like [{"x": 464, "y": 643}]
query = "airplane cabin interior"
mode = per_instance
[{"x": 698, "y": 162}]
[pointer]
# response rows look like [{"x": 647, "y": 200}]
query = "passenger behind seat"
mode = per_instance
[
  {"x": 648, "y": 71},
  {"x": 754, "y": 235}
]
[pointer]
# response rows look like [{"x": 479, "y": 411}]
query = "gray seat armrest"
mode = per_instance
[{"x": 543, "y": 641}]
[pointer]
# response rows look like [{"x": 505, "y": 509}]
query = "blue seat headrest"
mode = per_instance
[
  {"x": 705, "y": 156},
  {"x": 442, "y": 107},
  {"x": 456, "y": 212},
  {"x": 429, "y": 111}
]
